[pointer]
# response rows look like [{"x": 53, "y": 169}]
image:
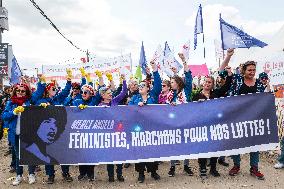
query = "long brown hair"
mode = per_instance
[{"x": 179, "y": 82}]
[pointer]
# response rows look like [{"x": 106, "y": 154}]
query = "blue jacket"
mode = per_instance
[
  {"x": 94, "y": 101},
  {"x": 11, "y": 119},
  {"x": 153, "y": 94},
  {"x": 59, "y": 98},
  {"x": 69, "y": 100}
]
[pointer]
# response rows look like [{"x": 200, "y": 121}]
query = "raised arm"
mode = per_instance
[
  {"x": 40, "y": 89},
  {"x": 227, "y": 59},
  {"x": 157, "y": 86},
  {"x": 100, "y": 76},
  {"x": 188, "y": 77},
  {"x": 65, "y": 92},
  {"x": 122, "y": 94}
]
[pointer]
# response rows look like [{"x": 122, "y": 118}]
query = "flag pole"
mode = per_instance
[
  {"x": 204, "y": 47},
  {"x": 202, "y": 32},
  {"x": 222, "y": 36}
]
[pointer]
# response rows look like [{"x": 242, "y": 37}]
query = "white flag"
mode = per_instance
[
  {"x": 170, "y": 61},
  {"x": 158, "y": 58},
  {"x": 185, "y": 50}
]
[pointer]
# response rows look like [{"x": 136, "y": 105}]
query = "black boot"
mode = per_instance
[
  {"x": 120, "y": 178},
  {"x": 155, "y": 175},
  {"x": 50, "y": 179},
  {"x": 171, "y": 173},
  {"x": 214, "y": 172},
  {"x": 111, "y": 179},
  {"x": 188, "y": 170},
  {"x": 141, "y": 177},
  {"x": 67, "y": 177}
]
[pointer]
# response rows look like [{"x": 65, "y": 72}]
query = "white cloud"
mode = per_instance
[{"x": 89, "y": 24}]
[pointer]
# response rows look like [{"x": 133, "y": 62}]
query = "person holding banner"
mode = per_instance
[
  {"x": 75, "y": 94},
  {"x": 180, "y": 93},
  {"x": 108, "y": 100},
  {"x": 208, "y": 92},
  {"x": 88, "y": 96},
  {"x": 245, "y": 83},
  {"x": 21, "y": 96},
  {"x": 52, "y": 97},
  {"x": 145, "y": 97}
]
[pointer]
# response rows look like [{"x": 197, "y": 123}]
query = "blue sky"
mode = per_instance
[{"x": 111, "y": 27}]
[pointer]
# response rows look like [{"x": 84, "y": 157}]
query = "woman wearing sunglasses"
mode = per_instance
[
  {"x": 52, "y": 97},
  {"x": 88, "y": 96},
  {"x": 108, "y": 100},
  {"x": 263, "y": 77},
  {"x": 74, "y": 95},
  {"x": 246, "y": 83},
  {"x": 21, "y": 96},
  {"x": 147, "y": 96},
  {"x": 166, "y": 87}
]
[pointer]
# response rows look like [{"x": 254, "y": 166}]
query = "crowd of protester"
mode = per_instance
[{"x": 153, "y": 90}]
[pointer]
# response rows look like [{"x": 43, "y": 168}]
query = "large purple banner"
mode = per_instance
[{"x": 102, "y": 135}]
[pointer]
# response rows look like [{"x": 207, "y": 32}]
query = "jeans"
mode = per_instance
[
  {"x": 19, "y": 169},
  {"x": 222, "y": 158},
  {"x": 185, "y": 162},
  {"x": 281, "y": 157},
  {"x": 254, "y": 159},
  {"x": 151, "y": 167},
  {"x": 49, "y": 169},
  {"x": 13, "y": 161},
  {"x": 110, "y": 170}
]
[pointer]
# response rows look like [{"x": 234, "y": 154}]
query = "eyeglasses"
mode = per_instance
[
  {"x": 85, "y": 92},
  {"x": 76, "y": 88},
  {"x": 264, "y": 78},
  {"x": 20, "y": 91},
  {"x": 142, "y": 85}
]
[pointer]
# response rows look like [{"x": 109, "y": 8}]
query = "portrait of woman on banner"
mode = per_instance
[{"x": 40, "y": 131}]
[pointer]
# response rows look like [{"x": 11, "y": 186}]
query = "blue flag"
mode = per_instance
[
  {"x": 198, "y": 28},
  {"x": 233, "y": 37},
  {"x": 15, "y": 72},
  {"x": 142, "y": 60}
]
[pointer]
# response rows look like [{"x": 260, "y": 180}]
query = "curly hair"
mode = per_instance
[{"x": 38, "y": 115}]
